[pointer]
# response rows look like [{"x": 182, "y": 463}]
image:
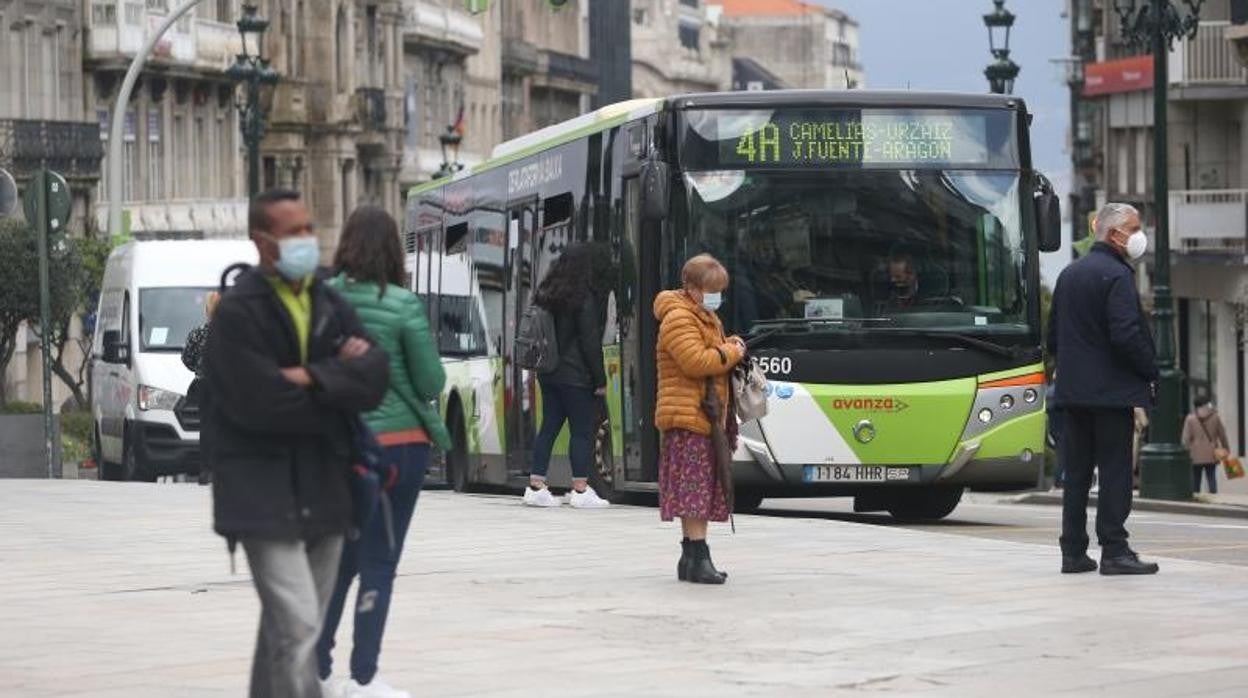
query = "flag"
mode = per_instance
[{"x": 476, "y": 7}]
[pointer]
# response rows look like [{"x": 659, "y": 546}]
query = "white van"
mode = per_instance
[{"x": 151, "y": 298}]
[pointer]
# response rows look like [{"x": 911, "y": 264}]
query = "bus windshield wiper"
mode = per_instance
[
  {"x": 964, "y": 339},
  {"x": 764, "y": 329}
]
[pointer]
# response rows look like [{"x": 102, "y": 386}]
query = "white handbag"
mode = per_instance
[{"x": 749, "y": 390}]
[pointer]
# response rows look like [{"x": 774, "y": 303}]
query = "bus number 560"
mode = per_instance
[{"x": 776, "y": 365}]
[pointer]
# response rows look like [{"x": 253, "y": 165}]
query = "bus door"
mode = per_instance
[
  {"x": 632, "y": 415},
  {"x": 519, "y": 385}
]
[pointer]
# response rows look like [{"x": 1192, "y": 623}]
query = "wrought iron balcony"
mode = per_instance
[
  {"x": 569, "y": 67},
  {"x": 72, "y": 148},
  {"x": 1209, "y": 221},
  {"x": 371, "y": 102}
]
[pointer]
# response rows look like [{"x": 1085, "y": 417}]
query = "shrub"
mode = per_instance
[{"x": 17, "y": 407}]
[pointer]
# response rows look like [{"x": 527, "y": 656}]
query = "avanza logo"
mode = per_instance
[{"x": 869, "y": 404}]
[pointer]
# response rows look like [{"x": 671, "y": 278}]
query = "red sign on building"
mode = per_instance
[{"x": 1133, "y": 74}]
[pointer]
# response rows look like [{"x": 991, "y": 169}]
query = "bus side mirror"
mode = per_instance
[
  {"x": 1048, "y": 216},
  {"x": 114, "y": 351},
  {"x": 655, "y": 190}
]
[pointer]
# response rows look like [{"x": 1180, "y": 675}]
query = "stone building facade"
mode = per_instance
[
  {"x": 677, "y": 48},
  {"x": 805, "y": 45}
]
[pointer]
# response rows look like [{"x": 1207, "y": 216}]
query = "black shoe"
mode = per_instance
[
  {"x": 1078, "y": 565},
  {"x": 1127, "y": 563},
  {"x": 700, "y": 569}
]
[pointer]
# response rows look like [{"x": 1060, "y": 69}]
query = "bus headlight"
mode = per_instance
[
  {"x": 1007, "y": 402},
  {"x": 1030, "y": 395},
  {"x": 157, "y": 399},
  {"x": 985, "y": 415}
]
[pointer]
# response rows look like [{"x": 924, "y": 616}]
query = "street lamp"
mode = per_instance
[
  {"x": 252, "y": 70},
  {"x": 450, "y": 139},
  {"x": 1002, "y": 71},
  {"x": 1165, "y": 467}
]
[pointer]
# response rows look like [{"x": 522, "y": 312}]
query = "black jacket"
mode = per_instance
[
  {"x": 579, "y": 330},
  {"x": 281, "y": 454},
  {"x": 1100, "y": 336}
]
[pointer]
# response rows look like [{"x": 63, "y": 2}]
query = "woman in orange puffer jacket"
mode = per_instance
[{"x": 691, "y": 349}]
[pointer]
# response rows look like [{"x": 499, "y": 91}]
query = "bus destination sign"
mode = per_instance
[{"x": 843, "y": 138}]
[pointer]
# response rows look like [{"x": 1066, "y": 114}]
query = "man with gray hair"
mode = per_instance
[{"x": 1105, "y": 367}]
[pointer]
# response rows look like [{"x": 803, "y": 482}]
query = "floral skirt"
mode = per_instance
[{"x": 688, "y": 487}]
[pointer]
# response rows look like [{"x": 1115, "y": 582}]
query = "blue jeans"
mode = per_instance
[
  {"x": 579, "y": 408},
  {"x": 371, "y": 558}
]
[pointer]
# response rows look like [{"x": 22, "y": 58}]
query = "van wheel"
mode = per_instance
[
  {"x": 919, "y": 504},
  {"x": 103, "y": 469},
  {"x": 457, "y": 458},
  {"x": 130, "y": 465}
]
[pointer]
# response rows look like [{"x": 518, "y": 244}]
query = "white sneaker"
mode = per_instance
[
  {"x": 588, "y": 499},
  {"x": 539, "y": 498},
  {"x": 334, "y": 687},
  {"x": 374, "y": 689}
]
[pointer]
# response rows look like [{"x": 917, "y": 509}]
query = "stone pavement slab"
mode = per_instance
[{"x": 121, "y": 590}]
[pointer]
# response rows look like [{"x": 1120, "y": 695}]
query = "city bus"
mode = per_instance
[{"x": 883, "y": 248}]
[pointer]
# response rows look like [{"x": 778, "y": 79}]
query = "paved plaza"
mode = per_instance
[{"x": 121, "y": 590}]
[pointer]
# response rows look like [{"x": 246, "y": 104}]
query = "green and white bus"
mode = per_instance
[{"x": 883, "y": 248}]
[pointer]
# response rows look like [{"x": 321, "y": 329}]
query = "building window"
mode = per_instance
[
  {"x": 134, "y": 14},
  {"x": 130, "y": 157},
  {"x": 688, "y": 36},
  {"x": 340, "y": 51},
  {"x": 348, "y": 186},
  {"x": 1124, "y": 181},
  {"x": 180, "y": 142},
  {"x": 155, "y": 153},
  {"x": 103, "y": 15},
  {"x": 202, "y": 150},
  {"x": 160, "y": 6}
]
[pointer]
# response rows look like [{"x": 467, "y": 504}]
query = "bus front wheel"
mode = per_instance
[
  {"x": 923, "y": 503},
  {"x": 457, "y": 457}
]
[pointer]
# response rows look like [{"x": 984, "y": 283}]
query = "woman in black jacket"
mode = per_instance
[{"x": 574, "y": 291}]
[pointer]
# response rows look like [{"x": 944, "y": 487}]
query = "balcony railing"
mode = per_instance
[
  {"x": 119, "y": 27},
  {"x": 1209, "y": 220},
  {"x": 1207, "y": 59},
  {"x": 569, "y": 67},
  {"x": 371, "y": 102},
  {"x": 72, "y": 148}
]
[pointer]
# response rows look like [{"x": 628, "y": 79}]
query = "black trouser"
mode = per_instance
[
  {"x": 1098, "y": 438},
  {"x": 1210, "y": 471}
]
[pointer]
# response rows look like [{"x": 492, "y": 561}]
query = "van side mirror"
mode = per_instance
[
  {"x": 114, "y": 351},
  {"x": 1048, "y": 216},
  {"x": 656, "y": 189}
]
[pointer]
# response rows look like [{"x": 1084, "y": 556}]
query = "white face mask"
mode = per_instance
[
  {"x": 712, "y": 301},
  {"x": 1137, "y": 244}
]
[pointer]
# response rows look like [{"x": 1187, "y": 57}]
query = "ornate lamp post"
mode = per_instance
[
  {"x": 449, "y": 139},
  {"x": 252, "y": 70},
  {"x": 1165, "y": 468},
  {"x": 1002, "y": 71}
]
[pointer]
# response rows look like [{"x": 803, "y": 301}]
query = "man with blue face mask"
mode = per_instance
[{"x": 288, "y": 366}]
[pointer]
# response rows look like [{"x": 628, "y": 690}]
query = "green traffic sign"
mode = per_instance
[{"x": 60, "y": 201}]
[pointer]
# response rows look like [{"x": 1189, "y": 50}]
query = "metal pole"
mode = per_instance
[
  {"x": 251, "y": 134},
  {"x": 41, "y": 181},
  {"x": 1165, "y": 467},
  {"x": 119, "y": 114}
]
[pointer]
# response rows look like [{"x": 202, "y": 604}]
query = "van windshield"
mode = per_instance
[{"x": 167, "y": 315}]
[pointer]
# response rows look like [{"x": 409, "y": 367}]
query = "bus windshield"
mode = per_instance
[{"x": 875, "y": 251}]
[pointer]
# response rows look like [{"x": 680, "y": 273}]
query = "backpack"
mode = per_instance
[{"x": 537, "y": 341}]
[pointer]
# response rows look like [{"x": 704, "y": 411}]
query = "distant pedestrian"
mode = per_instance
[
  {"x": 1106, "y": 367},
  {"x": 288, "y": 366},
  {"x": 574, "y": 392},
  {"x": 193, "y": 359},
  {"x": 1205, "y": 439},
  {"x": 693, "y": 350},
  {"x": 371, "y": 277}
]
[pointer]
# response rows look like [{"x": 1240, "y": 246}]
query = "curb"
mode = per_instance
[{"x": 1227, "y": 511}]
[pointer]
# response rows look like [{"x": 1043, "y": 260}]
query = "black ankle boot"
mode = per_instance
[
  {"x": 682, "y": 565},
  {"x": 701, "y": 569}
]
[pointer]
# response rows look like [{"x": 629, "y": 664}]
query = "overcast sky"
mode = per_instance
[{"x": 943, "y": 45}]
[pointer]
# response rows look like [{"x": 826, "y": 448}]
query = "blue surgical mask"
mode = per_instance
[
  {"x": 712, "y": 301},
  {"x": 299, "y": 257}
]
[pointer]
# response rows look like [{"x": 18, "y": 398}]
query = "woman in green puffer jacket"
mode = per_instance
[{"x": 370, "y": 275}]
